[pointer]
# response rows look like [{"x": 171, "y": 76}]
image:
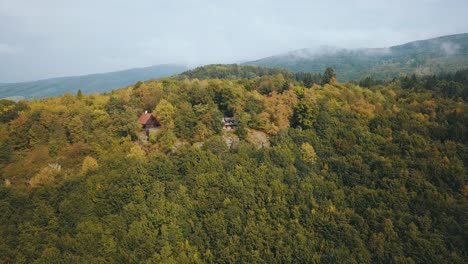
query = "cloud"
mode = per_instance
[
  {"x": 379, "y": 51},
  {"x": 49, "y": 38},
  {"x": 449, "y": 48}
]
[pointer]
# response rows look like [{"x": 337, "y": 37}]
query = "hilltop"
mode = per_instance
[
  {"x": 434, "y": 56},
  {"x": 331, "y": 172},
  {"x": 431, "y": 56},
  {"x": 93, "y": 83}
]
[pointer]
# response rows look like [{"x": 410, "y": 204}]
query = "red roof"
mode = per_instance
[{"x": 144, "y": 118}]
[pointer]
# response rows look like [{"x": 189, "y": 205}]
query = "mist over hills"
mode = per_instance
[
  {"x": 432, "y": 56},
  {"x": 93, "y": 83}
]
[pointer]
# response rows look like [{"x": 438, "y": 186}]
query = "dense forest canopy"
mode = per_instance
[
  {"x": 315, "y": 171},
  {"x": 235, "y": 71},
  {"x": 453, "y": 85}
]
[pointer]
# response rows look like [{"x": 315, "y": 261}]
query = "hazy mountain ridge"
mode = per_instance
[
  {"x": 432, "y": 56},
  {"x": 93, "y": 83}
]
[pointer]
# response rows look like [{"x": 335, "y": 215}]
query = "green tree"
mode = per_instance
[
  {"x": 6, "y": 151},
  {"x": 76, "y": 130},
  {"x": 305, "y": 111},
  {"x": 185, "y": 120},
  {"x": 164, "y": 112},
  {"x": 308, "y": 153},
  {"x": 114, "y": 106},
  {"x": 79, "y": 94},
  {"x": 38, "y": 134},
  {"x": 329, "y": 76},
  {"x": 167, "y": 139}
]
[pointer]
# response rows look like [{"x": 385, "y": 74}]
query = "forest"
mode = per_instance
[
  {"x": 316, "y": 171},
  {"x": 422, "y": 57}
]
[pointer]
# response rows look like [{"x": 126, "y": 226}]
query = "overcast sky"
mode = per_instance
[{"x": 51, "y": 38}]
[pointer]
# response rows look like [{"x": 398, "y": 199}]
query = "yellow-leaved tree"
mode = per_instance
[
  {"x": 89, "y": 164},
  {"x": 308, "y": 153},
  {"x": 164, "y": 113}
]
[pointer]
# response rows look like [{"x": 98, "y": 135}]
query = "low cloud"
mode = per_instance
[
  {"x": 449, "y": 48},
  {"x": 311, "y": 53},
  {"x": 377, "y": 52},
  {"x": 89, "y": 36}
]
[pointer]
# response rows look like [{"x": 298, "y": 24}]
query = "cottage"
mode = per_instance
[
  {"x": 229, "y": 123},
  {"x": 149, "y": 124},
  {"x": 148, "y": 121}
]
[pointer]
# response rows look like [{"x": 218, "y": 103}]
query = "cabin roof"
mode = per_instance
[
  {"x": 229, "y": 121},
  {"x": 145, "y": 118}
]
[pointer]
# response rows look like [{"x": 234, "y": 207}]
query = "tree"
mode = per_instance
[
  {"x": 76, "y": 130},
  {"x": 6, "y": 151},
  {"x": 114, "y": 106},
  {"x": 185, "y": 121},
  {"x": 242, "y": 121},
  {"x": 142, "y": 96},
  {"x": 308, "y": 82},
  {"x": 137, "y": 153},
  {"x": 305, "y": 111},
  {"x": 216, "y": 144},
  {"x": 164, "y": 112},
  {"x": 10, "y": 110},
  {"x": 79, "y": 94},
  {"x": 166, "y": 140},
  {"x": 329, "y": 76},
  {"x": 89, "y": 164},
  {"x": 308, "y": 153},
  {"x": 38, "y": 134},
  {"x": 46, "y": 176},
  {"x": 124, "y": 124}
]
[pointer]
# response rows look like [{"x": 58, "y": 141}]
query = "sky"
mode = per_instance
[{"x": 53, "y": 38}]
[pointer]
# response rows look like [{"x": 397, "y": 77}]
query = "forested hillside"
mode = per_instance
[
  {"x": 235, "y": 71},
  {"x": 93, "y": 83},
  {"x": 320, "y": 173},
  {"x": 432, "y": 56}
]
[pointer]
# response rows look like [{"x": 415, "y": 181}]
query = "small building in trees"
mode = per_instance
[
  {"x": 148, "y": 123},
  {"x": 229, "y": 123}
]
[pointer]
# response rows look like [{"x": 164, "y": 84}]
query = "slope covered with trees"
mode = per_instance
[
  {"x": 432, "y": 56},
  {"x": 348, "y": 175},
  {"x": 93, "y": 83},
  {"x": 235, "y": 71}
]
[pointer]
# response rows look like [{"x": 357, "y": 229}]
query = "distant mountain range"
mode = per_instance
[
  {"x": 93, "y": 83},
  {"x": 432, "y": 56}
]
